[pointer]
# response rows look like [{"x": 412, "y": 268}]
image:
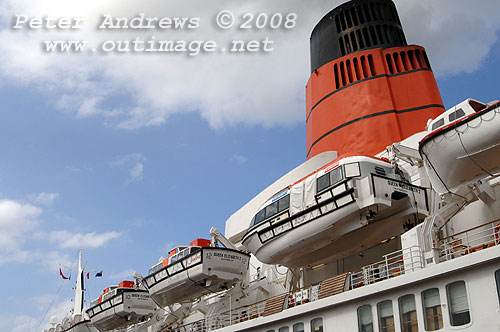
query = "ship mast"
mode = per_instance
[{"x": 78, "y": 308}]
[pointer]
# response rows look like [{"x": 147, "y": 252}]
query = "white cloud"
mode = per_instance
[
  {"x": 20, "y": 323},
  {"x": 44, "y": 198},
  {"x": 136, "y": 173},
  {"x": 16, "y": 221},
  {"x": 65, "y": 239},
  {"x": 239, "y": 159},
  {"x": 134, "y": 163},
  {"x": 263, "y": 89}
]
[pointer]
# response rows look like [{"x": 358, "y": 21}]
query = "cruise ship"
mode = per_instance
[{"x": 391, "y": 224}]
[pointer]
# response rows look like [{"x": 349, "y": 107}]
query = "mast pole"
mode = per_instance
[{"x": 78, "y": 308}]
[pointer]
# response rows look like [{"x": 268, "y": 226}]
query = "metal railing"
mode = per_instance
[
  {"x": 392, "y": 265},
  {"x": 469, "y": 241}
]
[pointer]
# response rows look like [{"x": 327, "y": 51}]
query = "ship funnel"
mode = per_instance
[{"x": 368, "y": 88}]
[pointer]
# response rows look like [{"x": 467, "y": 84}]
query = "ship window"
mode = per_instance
[
  {"x": 323, "y": 182},
  {"x": 283, "y": 329},
  {"x": 497, "y": 279},
  {"x": 260, "y": 216},
  {"x": 284, "y": 203},
  {"x": 299, "y": 327},
  {"x": 317, "y": 325},
  {"x": 432, "y": 310},
  {"x": 385, "y": 316},
  {"x": 458, "y": 304},
  {"x": 271, "y": 210},
  {"x": 408, "y": 313},
  {"x": 352, "y": 170},
  {"x": 270, "y": 331},
  {"x": 365, "y": 320},
  {"x": 456, "y": 115},
  {"x": 438, "y": 124},
  {"x": 336, "y": 175}
]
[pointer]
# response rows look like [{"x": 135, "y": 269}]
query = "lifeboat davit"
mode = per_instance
[
  {"x": 194, "y": 271},
  {"x": 122, "y": 306},
  {"x": 343, "y": 208},
  {"x": 463, "y": 145}
]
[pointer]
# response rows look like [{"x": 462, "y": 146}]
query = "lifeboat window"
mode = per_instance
[
  {"x": 260, "y": 216},
  {"x": 432, "y": 310},
  {"x": 408, "y": 312},
  {"x": 365, "y": 319},
  {"x": 385, "y": 316},
  {"x": 457, "y": 303},
  {"x": 336, "y": 175},
  {"x": 284, "y": 203},
  {"x": 299, "y": 327},
  {"x": 477, "y": 106},
  {"x": 317, "y": 325},
  {"x": 271, "y": 210},
  {"x": 323, "y": 182},
  {"x": 456, "y": 115},
  {"x": 438, "y": 124},
  {"x": 352, "y": 170}
]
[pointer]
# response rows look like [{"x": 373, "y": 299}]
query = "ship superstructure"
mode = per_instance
[{"x": 391, "y": 224}]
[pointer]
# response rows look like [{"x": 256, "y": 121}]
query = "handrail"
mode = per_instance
[{"x": 468, "y": 230}]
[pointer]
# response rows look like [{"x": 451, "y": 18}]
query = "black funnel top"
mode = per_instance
[{"x": 355, "y": 26}]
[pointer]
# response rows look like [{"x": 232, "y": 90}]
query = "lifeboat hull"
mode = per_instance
[
  {"x": 464, "y": 151},
  {"x": 124, "y": 309},
  {"x": 204, "y": 271},
  {"x": 366, "y": 210}
]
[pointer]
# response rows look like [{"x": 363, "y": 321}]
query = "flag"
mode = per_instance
[
  {"x": 62, "y": 275},
  {"x": 88, "y": 275},
  {"x": 98, "y": 274}
]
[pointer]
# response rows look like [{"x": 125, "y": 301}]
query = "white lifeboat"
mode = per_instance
[
  {"x": 343, "y": 208},
  {"x": 196, "y": 270},
  {"x": 119, "y": 307},
  {"x": 463, "y": 145}
]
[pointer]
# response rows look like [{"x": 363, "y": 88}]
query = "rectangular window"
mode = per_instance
[
  {"x": 456, "y": 115},
  {"x": 438, "y": 124},
  {"x": 271, "y": 210},
  {"x": 497, "y": 279},
  {"x": 408, "y": 313},
  {"x": 433, "y": 316},
  {"x": 283, "y": 329},
  {"x": 284, "y": 203},
  {"x": 352, "y": 170},
  {"x": 260, "y": 216},
  {"x": 458, "y": 305},
  {"x": 299, "y": 327},
  {"x": 323, "y": 182},
  {"x": 336, "y": 175},
  {"x": 385, "y": 316},
  {"x": 365, "y": 319},
  {"x": 317, "y": 325}
]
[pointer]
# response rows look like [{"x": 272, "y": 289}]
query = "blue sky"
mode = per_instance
[{"x": 131, "y": 155}]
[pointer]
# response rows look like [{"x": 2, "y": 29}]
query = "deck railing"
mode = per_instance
[
  {"x": 393, "y": 265},
  {"x": 471, "y": 240}
]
